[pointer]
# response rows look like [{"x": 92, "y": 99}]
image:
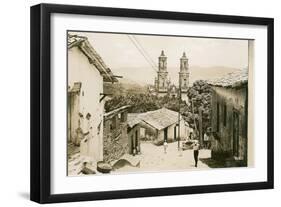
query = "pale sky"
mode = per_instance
[{"x": 119, "y": 53}]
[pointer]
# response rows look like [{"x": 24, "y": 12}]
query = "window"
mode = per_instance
[{"x": 224, "y": 114}]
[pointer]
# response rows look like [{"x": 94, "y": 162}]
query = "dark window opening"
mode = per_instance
[
  {"x": 218, "y": 117},
  {"x": 224, "y": 114}
]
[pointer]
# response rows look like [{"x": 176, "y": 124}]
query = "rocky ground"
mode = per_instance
[{"x": 75, "y": 161}]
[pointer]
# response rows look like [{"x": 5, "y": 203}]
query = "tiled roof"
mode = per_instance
[
  {"x": 158, "y": 119},
  {"x": 231, "y": 80},
  {"x": 94, "y": 58}
]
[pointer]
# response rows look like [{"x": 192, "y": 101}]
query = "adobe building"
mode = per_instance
[
  {"x": 159, "y": 126},
  {"x": 86, "y": 74},
  {"x": 229, "y": 117}
]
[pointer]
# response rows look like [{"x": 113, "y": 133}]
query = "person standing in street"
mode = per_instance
[
  {"x": 165, "y": 146},
  {"x": 206, "y": 140},
  {"x": 196, "y": 152}
]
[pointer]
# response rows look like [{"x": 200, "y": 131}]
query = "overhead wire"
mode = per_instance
[
  {"x": 148, "y": 60},
  {"x": 152, "y": 61}
]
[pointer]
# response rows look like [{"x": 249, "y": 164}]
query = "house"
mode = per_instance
[
  {"x": 86, "y": 74},
  {"x": 115, "y": 138},
  {"x": 134, "y": 136},
  {"x": 230, "y": 116},
  {"x": 160, "y": 125}
]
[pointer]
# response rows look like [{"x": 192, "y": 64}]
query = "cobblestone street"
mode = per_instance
[{"x": 153, "y": 158}]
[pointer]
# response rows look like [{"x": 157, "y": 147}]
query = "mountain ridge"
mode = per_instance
[{"x": 136, "y": 75}]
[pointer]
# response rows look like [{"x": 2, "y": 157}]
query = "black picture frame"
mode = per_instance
[{"x": 41, "y": 98}]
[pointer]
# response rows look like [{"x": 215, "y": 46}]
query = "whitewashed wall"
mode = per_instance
[{"x": 80, "y": 70}]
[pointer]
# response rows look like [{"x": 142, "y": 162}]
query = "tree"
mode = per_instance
[
  {"x": 143, "y": 102},
  {"x": 200, "y": 95}
]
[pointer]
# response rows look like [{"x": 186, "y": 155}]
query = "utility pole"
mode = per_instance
[
  {"x": 195, "y": 126},
  {"x": 200, "y": 126},
  {"x": 179, "y": 116}
]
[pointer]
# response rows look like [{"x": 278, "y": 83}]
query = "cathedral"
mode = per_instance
[
  {"x": 184, "y": 77},
  {"x": 162, "y": 84}
]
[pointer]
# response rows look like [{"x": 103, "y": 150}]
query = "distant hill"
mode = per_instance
[
  {"x": 139, "y": 76},
  {"x": 124, "y": 86}
]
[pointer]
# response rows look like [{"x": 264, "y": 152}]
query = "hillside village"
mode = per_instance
[{"x": 117, "y": 126}]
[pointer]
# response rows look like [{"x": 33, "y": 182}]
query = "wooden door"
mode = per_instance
[
  {"x": 175, "y": 133},
  {"x": 137, "y": 139},
  {"x": 166, "y": 134},
  {"x": 235, "y": 133}
]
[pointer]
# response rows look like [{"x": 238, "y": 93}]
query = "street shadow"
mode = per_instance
[
  {"x": 213, "y": 163},
  {"x": 24, "y": 195}
]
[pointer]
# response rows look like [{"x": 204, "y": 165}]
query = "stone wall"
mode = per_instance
[{"x": 115, "y": 142}]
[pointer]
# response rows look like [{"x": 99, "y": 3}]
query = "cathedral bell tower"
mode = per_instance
[
  {"x": 162, "y": 75},
  {"x": 184, "y": 77}
]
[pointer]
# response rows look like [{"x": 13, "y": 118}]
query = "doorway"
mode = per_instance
[
  {"x": 175, "y": 133},
  {"x": 132, "y": 144},
  {"x": 166, "y": 134},
  {"x": 137, "y": 140},
  {"x": 73, "y": 115},
  {"x": 235, "y": 133}
]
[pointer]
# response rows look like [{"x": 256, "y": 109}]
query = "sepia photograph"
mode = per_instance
[
  {"x": 134, "y": 103},
  {"x": 140, "y": 103}
]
